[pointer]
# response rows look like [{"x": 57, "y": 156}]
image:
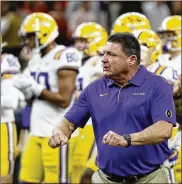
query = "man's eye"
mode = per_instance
[{"x": 111, "y": 54}]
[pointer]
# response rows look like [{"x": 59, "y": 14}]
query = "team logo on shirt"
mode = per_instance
[
  {"x": 138, "y": 94},
  {"x": 168, "y": 113}
]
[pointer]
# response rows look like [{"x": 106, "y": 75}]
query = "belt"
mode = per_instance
[{"x": 117, "y": 178}]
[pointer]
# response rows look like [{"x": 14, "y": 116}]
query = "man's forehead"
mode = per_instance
[{"x": 111, "y": 46}]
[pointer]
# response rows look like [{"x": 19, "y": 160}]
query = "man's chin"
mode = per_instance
[{"x": 106, "y": 74}]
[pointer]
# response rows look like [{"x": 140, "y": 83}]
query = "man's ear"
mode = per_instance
[{"x": 132, "y": 60}]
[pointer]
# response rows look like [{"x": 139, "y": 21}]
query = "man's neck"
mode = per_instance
[{"x": 123, "y": 79}]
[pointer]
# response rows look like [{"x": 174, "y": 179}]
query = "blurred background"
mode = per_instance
[{"x": 69, "y": 14}]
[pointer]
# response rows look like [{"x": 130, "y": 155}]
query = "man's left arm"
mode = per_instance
[
  {"x": 163, "y": 115},
  {"x": 154, "y": 134}
]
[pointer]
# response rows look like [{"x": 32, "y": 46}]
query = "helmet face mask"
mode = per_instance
[
  {"x": 28, "y": 40},
  {"x": 43, "y": 26},
  {"x": 95, "y": 35},
  {"x": 151, "y": 46},
  {"x": 170, "y": 33},
  {"x": 81, "y": 44}
]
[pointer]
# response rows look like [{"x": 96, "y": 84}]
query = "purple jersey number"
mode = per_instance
[{"x": 44, "y": 76}]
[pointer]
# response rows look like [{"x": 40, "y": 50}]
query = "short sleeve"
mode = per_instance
[
  {"x": 162, "y": 103},
  {"x": 70, "y": 58},
  {"x": 170, "y": 75},
  {"x": 79, "y": 114}
]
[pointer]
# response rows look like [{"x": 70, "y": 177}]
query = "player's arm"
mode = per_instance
[{"x": 66, "y": 81}]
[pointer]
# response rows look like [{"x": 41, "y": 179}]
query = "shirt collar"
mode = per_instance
[{"x": 137, "y": 79}]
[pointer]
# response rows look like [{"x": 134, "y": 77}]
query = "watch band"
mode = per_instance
[{"x": 127, "y": 137}]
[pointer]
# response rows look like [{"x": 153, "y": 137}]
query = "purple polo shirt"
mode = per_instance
[{"x": 145, "y": 100}]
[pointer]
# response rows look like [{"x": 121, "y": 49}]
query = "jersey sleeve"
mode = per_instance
[
  {"x": 170, "y": 75},
  {"x": 9, "y": 64},
  {"x": 70, "y": 59},
  {"x": 162, "y": 103}
]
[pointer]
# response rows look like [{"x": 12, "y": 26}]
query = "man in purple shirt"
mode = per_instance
[{"x": 133, "y": 114}]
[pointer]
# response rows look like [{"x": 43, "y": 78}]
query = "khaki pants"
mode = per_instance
[{"x": 158, "y": 176}]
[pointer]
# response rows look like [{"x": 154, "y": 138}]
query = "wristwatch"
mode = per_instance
[{"x": 127, "y": 137}]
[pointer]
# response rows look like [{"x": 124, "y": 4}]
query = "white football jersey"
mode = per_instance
[
  {"x": 169, "y": 73},
  {"x": 46, "y": 115},
  {"x": 175, "y": 141},
  {"x": 11, "y": 98},
  {"x": 86, "y": 72},
  {"x": 174, "y": 63}
]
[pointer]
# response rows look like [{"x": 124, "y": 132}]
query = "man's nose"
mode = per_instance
[{"x": 104, "y": 58}]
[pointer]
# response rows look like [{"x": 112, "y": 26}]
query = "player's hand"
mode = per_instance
[
  {"x": 21, "y": 82},
  {"x": 26, "y": 53},
  {"x": 57, "y": 139},
  {"x": 177, "y": 87},
  {"x": 114, "y": 139}
]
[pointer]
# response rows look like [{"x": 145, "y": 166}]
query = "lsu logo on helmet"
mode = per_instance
[
  {"x": 43, "y": 26},
  {"x": 130, "y": 22}
]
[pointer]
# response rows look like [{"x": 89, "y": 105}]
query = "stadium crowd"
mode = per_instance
[{"x": 50, "y": 52}]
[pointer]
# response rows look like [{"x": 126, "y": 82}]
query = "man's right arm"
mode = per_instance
[
  {"x": 77, "y": 116},
  {"x": 61, "y": 133}
]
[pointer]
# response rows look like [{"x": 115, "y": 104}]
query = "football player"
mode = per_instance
[
  {"x": 10, "y": 101},
  {"x": 95, "y": 37},
  {"x": 170, "y": 34},
  {"x": 50, "y": 78}
]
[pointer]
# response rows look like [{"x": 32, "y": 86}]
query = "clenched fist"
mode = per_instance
[
  {"x": 57, "y": 139},
  {"x": 114, "y": 139}
]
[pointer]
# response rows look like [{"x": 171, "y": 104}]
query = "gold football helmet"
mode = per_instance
[
  {"x": 170, "y": 33},
  {"x": 130, "y": 22},
  {"x": 43, "y": 26},
  {"x": 151, "y": 41},
  {"x": 95, "y": 34}
]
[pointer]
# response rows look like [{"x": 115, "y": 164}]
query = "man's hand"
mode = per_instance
[
  {"x": 57, "y": 139},
  {"x": 113, "y": 139},
  {"x": 21, "y": 81}
]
